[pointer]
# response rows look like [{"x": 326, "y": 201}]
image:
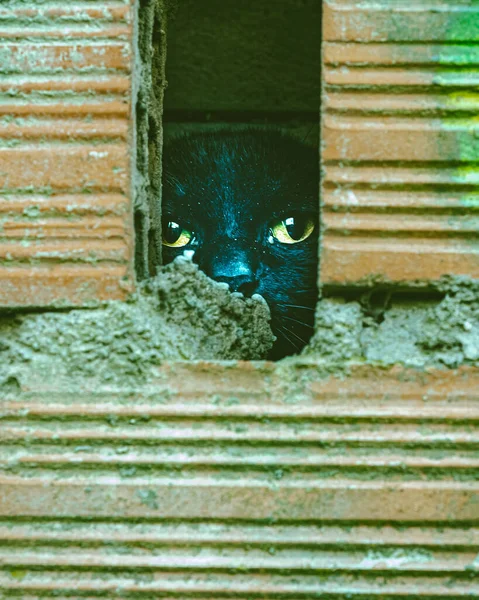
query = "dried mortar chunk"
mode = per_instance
[
  {"x": 414, "y": 332},
  {"x": 337, "y": 332},
  {"x": 181, "y": 314},
  {"x": 444, "y": 333}
]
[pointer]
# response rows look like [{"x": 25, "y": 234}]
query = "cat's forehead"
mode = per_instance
[{"x": 230, "y": 175}]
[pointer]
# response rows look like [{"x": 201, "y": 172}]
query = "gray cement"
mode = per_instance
[
  {"x": 179, "y": 315},
  {"x": 413, "y": 332},
  {"x": 183, "y": 315}
]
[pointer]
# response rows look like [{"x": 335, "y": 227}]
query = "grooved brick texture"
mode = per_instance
[
  {"x": 400, "y": 134},
  {"x": 65, "y": 148},
  {"x": 244, "y": 482}
]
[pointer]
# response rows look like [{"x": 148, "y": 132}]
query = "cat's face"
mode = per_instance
[{"x": 247, "y": 204}]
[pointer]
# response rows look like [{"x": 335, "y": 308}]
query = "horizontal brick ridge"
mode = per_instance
[
  {"x": 65, "y": 218},
  {"x": 330, "y": 486},
  {"x": 399, "y": 197}
]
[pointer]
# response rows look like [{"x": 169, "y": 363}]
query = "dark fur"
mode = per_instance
[{"x": 228, "y": 187}]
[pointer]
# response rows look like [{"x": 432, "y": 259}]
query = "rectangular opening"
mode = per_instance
[{"x": 244, "y": 77}]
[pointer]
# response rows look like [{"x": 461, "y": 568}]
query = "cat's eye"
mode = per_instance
[
  {"x": 175, "y": 236},
  {"x": 292, "y": 230}
]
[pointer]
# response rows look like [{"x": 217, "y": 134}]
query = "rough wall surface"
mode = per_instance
[
  {"x": 410, "y": 331},
  {"x": 149, "y": 83},
  {"x": 179, "y": 315},
  {"x": 65, "y": 124},
  {"x": 400, "y": 141}
]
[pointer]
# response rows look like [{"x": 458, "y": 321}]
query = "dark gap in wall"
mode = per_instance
[
  {"x": 231, "y": 66},
  {"x": 254, "y": 55},
  {"x": 375, "y": 302},
  {"x": 246, "y": 116},
  {"x": 256, "y": 62}
]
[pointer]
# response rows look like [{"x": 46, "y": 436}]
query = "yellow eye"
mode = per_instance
[
  {"x": 292, "y": 230},
  {"x": 175, "y": 236}
]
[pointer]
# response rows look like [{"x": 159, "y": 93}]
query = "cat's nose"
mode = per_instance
[
  {"x": 245, "y": 284},
  {"x": 238, "y": 274}
]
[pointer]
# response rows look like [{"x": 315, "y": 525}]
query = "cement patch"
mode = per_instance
[
  {"x": 179, "y": 315},
  {"x": 183, "y": 315},
  {"x": 411, "y": 332}
]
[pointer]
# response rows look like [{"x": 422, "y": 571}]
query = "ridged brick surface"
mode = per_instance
[
  {"x": 65, "y": 152},
  {"x": 217, "y": 481},
  {"x": 400, "y": 134}
]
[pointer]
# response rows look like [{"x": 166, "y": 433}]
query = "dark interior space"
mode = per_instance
[{"x": 254, "y": 62}]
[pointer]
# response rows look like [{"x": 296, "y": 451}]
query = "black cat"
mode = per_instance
[{"x": 247, "y": 204}]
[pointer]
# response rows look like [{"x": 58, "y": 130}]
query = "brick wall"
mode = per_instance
[{"x": 256, "y": 480}]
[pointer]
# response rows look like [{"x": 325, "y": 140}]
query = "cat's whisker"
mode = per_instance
[
  {"x": 297, "y": 321},
  {"x": 303, "y": 342},
  {"x": 282, "y": 331},
  {"x": 304, "y": 291},
  {"x": 299, "y": 306}
]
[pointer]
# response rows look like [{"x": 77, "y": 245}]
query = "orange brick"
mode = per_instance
[{"x": 400, "y": 143}]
